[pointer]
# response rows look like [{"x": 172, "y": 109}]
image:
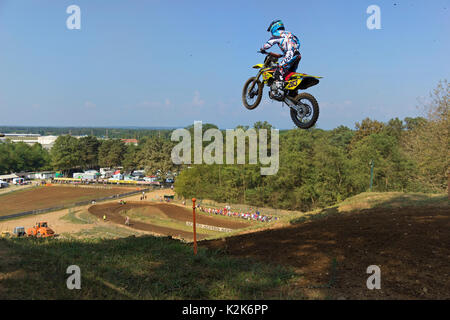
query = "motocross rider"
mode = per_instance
[{"x": 289, "y": 45}]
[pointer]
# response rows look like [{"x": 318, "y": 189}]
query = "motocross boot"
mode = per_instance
[
  {"x": 279, "y": 88},
  {"x": 278, "y": 85},
  {"x": 276, "y": 90}
]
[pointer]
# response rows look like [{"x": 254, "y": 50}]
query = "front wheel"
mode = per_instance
[
  {"x": 305, "y": 112},
  {"x": 252, "y": 94}
]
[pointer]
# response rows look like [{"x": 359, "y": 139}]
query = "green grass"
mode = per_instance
[
  {"x": 369, "y": 200},
  {"x": 23, "y": 138},
  {"x": 141, "y": 215},
  {"x": 79, "y": 217},
  {"x": 372, "y": 200},
  {"x": 86, "y": 216},
  {"x": 134, "y": 268},
  {"x": 102, "y": 232}
]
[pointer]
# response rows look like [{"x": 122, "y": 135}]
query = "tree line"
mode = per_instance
[
  {"x": 151, "y": 154},
  {"x": 319, "y": 168},
  {"x": 112, "y": 133},
  {"x": 20, "y": 157},
  {"x": 70, "y": 154}
]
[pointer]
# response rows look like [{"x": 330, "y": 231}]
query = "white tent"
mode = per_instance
[{"x": 9, "y": 177}]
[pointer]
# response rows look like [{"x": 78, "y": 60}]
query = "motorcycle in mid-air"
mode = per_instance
[{"x": 304, "y": 107}]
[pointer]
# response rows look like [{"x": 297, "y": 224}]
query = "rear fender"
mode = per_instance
[
  {"x": 308, "y": 82},
  {"x": 301, "y": 81}
]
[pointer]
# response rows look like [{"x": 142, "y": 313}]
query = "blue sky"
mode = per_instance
[{"x": 168, "y": 63}]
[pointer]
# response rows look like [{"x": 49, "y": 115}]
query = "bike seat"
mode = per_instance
[{"x": 289, "y": 76}]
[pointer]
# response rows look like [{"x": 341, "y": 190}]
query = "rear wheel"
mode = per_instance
[
  {"x": 251, "y": 99},
  {"x": 306, "y": 111}
]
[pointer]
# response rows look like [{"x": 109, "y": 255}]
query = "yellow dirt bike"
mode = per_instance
[{"x": 304, "y": 107}]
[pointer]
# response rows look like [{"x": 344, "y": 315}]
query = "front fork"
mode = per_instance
[{"x": 254, "y": 81}]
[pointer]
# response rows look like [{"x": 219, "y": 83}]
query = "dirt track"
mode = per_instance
[
  {"x": 112, "y": 211},
  {"x": 410, "y": 245},
  {"x": 51, "y": 196}
]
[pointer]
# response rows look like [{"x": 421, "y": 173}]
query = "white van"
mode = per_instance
[{"x": 18, "y": 181}]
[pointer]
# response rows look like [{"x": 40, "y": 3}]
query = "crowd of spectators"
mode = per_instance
[{"x": 247, "y": 215}]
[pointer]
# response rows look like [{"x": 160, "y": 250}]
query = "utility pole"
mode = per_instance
[
  {"x": 243, "y": 179},
  {"x": 372, "y": 164},
  {"x": 194, "y": 226}
]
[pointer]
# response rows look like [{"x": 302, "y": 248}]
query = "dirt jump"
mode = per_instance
[
  {"x": 410, "y": 245},
  {"x": 114, "y": 213}
]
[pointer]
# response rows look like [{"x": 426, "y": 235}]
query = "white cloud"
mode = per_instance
[
  {"x": 197, "y": 101},
  {"x": 149, "y": 104},
  {"x": 90, "y": 104}
]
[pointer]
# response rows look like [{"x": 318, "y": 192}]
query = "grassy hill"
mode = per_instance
[
  {"x": 318, "y": 255},
  {"x": 131, "y": 268}
]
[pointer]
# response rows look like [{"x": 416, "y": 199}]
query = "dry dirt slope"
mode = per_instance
[{"x": 410, "y": 244}]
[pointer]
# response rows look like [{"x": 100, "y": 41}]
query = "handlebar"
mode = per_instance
[{"x": 272, "y": 54}]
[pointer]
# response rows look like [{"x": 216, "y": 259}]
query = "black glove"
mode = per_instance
[{"x": 262, "y": 51}]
